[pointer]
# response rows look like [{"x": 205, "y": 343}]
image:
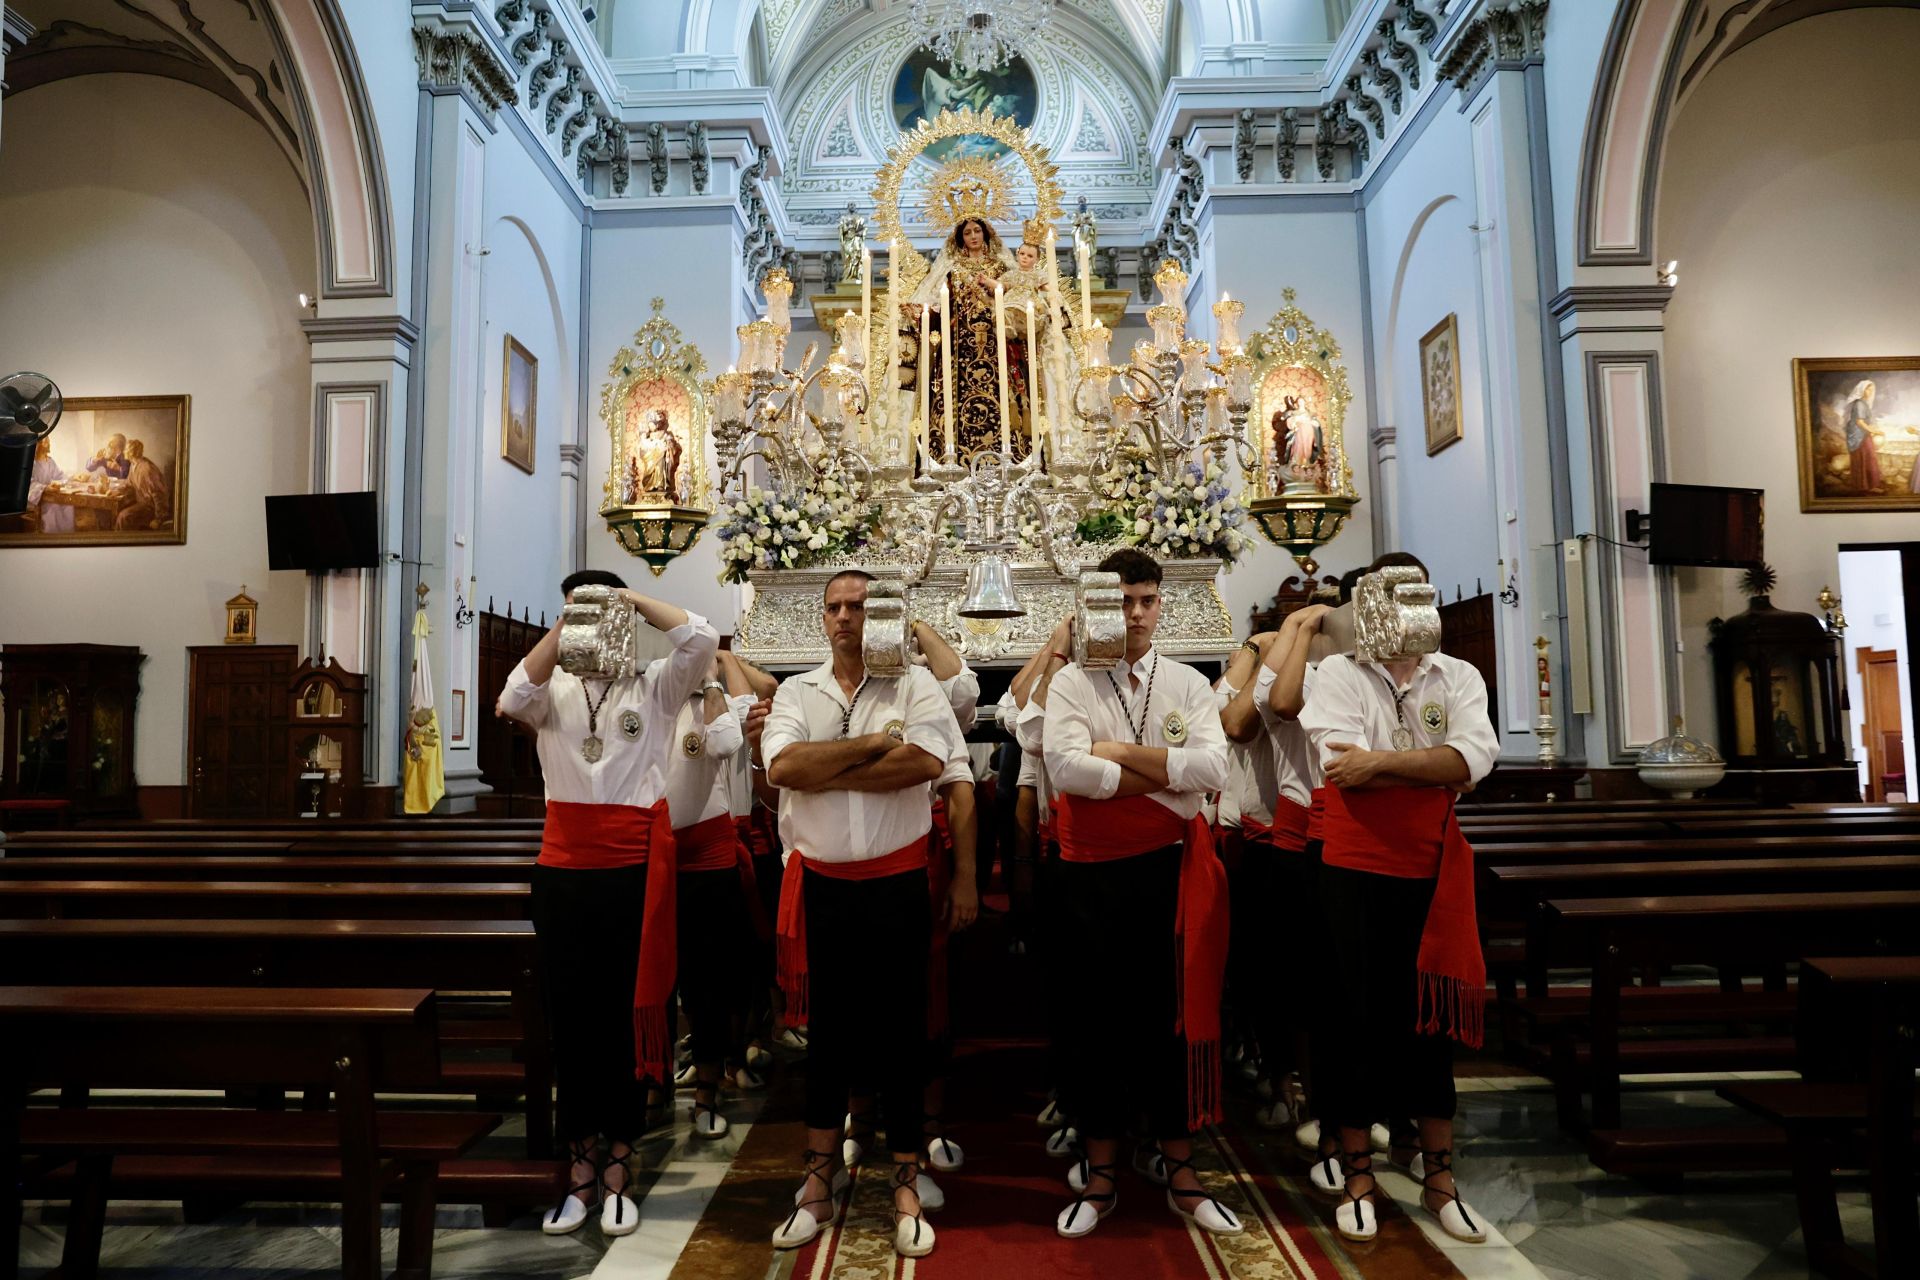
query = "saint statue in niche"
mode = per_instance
[
  {"x": 1297, "y": 438},
  {"x": 656, "y": 462}
]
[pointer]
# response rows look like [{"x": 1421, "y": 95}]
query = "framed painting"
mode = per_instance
[
  {"x": 113, "y": 473},
  {"x": 1856, "y": 425},
  {"x": 1440, "y": 383},
  {"x": 927, "y": 84},
  {"x": 519, "y": 373}
]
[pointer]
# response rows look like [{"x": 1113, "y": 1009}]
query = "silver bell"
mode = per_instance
[{"x": 990, "y": 590}]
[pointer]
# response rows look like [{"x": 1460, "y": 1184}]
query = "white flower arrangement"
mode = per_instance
[
  {"x": 769, "y": 531},
  {"x": 1196, "y": 515}
]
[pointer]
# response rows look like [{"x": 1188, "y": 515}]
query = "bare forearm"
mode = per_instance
[
  {"x": 963, "y": 824},
  {"x": 1028, "y": 674},
  {"x": 1239, "y": 717},
  {"x": 805, "y": 766},
  {"x": 1053, "y": 668},
  {"x": 1427, "y": 767},
  {"x": 713, "y": 705},
  {"x": 1135, "y": 783},
  {"x": 904, "y": 766},
  {"x": 660, "y": 615},
  {"x": 1289, "y": 663},
  {"x": 942, "y": 661}
]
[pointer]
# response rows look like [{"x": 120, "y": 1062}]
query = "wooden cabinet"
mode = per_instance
[
  {"x": 237, "y": 714},
  {"x": 327, "y": 738},
  {"x": 1467, "y": 633},
  {"x": 70, "y": 720}
]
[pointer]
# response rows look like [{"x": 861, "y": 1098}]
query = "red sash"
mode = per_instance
[
  {"x": 715, "y": 844},
  {"x": 1317, "y": 814},
  {"x": 1288, "y": 832},
  {"x": 791, "y": 950},
  {"x": 1413, "y": 832},
  {"x": 1049, "y": 837},
  {"x": 599, "y": 836},
  {"x": 752, "y": 837},
  {"x": 1103, "y": 830},
  {"x": 939, "y": 881}
]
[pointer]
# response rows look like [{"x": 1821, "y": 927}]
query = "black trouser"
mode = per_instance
[
  {"x": 716, "y": 944},
  {"x": 1373, "y": 1061},
  {"x": 1123, "y": 1056},
  {"x": 867, "y": 998},
  {"x": 588, "y": 928},
  {"x": 1051, "y": 947},
  {"x": 1283, "y": 938}
]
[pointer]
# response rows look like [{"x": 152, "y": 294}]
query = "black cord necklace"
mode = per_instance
[
  {"x": 1146, "y": 703},
  {"x": 592, "y": 747},
  {"x": 1403, "y": 734},
  {"x": 846, "y": 717}
]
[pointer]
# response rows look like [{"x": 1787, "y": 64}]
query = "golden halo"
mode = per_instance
[{"x": 956, "y": 124}]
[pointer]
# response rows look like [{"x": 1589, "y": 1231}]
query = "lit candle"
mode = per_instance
[
  {"x": 730, "y": 400},
  {"x": 1239, "y": 378},
  {"x": 946, "y": 372},
  {"x": 925, "y": 410},
  {"x": 891, "y": 395},
  {"x": 1033, "y": 378},
  {"x": 1226, "y": 316},
  {"x": 866, "y": 300},
  {"x": 1215, "y": 420},
  {"x": 1086, "y": 285},
  {"x": 1000, "y": 360},
  {"x": 1193, "y": 360}
]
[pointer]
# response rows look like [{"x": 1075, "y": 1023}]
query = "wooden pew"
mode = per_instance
[
  {"x": 349, "y": 1041},
  {"x": 446, "y": 956},
  {"x": 264, "y": 899},
  {"x": 1620, "y": 936},
  {"x": 1857, "y": 1058},
  {"x": 341, "y": 867}
]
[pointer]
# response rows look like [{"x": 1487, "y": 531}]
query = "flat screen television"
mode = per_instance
[
  {"x": 1701, "y": 524},
  {"x": 319, "y": 532}
]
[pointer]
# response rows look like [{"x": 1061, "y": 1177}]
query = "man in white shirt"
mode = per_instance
[
  {"x": 716, "y": 877},
  {"x": 853, "y": 756},
  {"x": 1133, "y": 752},
  {"x": 1397, "y": 740},
  {"x": 1279, "y": 870},
  {"x": 603, "y": 907},
  {"x": 1046, "y": 934}
]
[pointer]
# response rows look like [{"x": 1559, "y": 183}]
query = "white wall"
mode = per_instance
[
  {"x": 1788, "y": 196},
  {"x": 1874, "y": 601},
  {"x": 152, "y": 239}
]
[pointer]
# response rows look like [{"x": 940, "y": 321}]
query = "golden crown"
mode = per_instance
[
  {"x": 1034, "y": 232},
  {"x": 967, "y": 187}
]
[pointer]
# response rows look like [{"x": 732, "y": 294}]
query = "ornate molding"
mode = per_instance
[
  {"x": 397, "y": 329},
  {"x": 1577, "y": 299},
  {"x": 698, "y": 158},
  {"x": 455, "y": 58},
  {"x": 1499, "y": 39},
  {"x": 1243, "y": 136}
]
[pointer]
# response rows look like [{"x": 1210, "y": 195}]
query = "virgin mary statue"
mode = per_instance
[{"x": 970, "y": 264}]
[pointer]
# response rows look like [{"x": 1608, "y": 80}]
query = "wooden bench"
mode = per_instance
[
  {"x": 334, "y": 867},
  {"x": 264, "y": 899},
  {"x": 1622, "y": 935},
  {"x": 1857, "y": 1092},
  {"x": 349, "y": 1041},
  {"x": 483, "y": 956}
]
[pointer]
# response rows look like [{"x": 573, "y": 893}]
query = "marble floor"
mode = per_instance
[{"x": 1554, "y": 1214}]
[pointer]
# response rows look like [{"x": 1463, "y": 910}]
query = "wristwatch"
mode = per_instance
[
  {"x": 713, "y": 684},
  {"x": 1248, "y": 643}
]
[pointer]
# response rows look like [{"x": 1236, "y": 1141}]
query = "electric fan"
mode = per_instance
[{"x": 29, "y": 409}]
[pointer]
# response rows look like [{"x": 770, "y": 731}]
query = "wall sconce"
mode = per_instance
[
  {"x": 308, "y": 302},
  {"x": 1670, "y": 273}
]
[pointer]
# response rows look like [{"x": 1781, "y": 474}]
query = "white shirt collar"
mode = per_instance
[
  {"x": 1425, "y": 665},
  {"x": 1142, "y": 668}
]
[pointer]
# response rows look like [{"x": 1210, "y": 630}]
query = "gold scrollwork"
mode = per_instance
[{"x": 656, "y": 498}]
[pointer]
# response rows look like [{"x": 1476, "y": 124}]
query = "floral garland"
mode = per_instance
[
  {"x": 1198, "y": 515},
  {"x": 766, "y": 531}
]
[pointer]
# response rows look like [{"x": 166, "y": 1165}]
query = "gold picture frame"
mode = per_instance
[
  {"x": 113, "y": 473},
  {"x": 1440, "y": 384},
  {"x": 1880, "y": 471},
  {"x": 243, "y": 619},
  {"x": 519, "y": 404}
]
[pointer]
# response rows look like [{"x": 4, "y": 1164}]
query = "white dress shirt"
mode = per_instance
[
  {"x": 856, "y": 826},
  {"x": 634, "y": 721},
  {"x": 1288, "y": 765},
  {"x": 962, "y": 692},
  {"x": 1030, "y": 731},
  {"x": 739, "y": 775},
  {"x": 1084, "y": 708},
  {"x": 699, "y": 786},
  {"x": 1444, "y": 704}
]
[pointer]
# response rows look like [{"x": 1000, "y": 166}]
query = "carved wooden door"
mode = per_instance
[{"x": 237, "y": 731}]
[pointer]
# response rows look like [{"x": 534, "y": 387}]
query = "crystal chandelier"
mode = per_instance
[{"x": 980, "y": 35}]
